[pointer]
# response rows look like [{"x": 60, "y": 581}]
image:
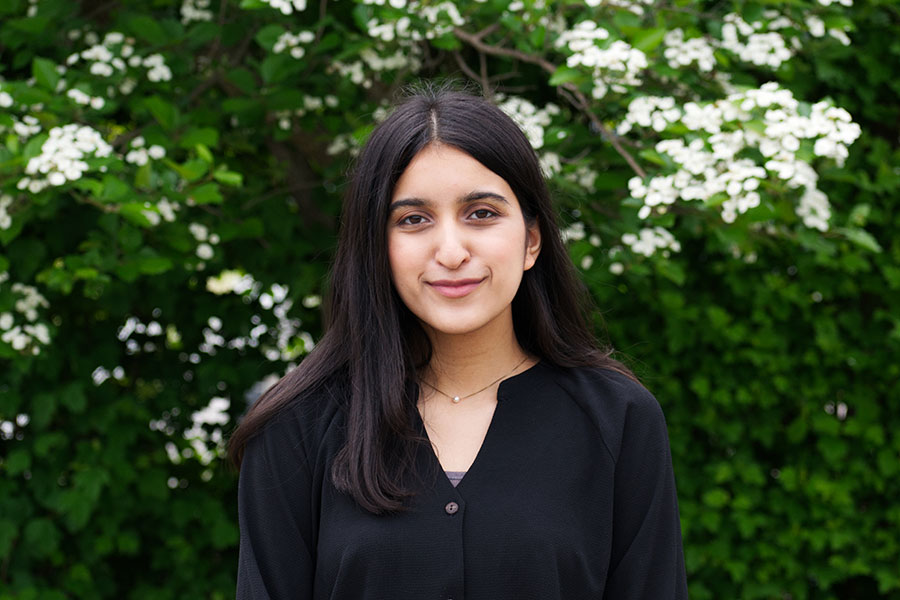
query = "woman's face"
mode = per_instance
[{"x": 458, "y": 243}]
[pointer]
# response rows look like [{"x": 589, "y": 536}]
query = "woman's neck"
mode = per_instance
[{"x": 466, "y": 362}]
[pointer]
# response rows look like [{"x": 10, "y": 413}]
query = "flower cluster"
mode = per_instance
[
  {"x": 30, "y": 335},
  {"x": 657, "y": 112},
  {"x": 6, "y": 100},
  {"x": 287, "y": 6},
  {"x": 5, "y": 219},
  {"x": 215, "y": 413},
  {"x": 205, "y": 239},
  {"x": 310, "y": 104},
  {"x": 85, "y": 99},
  {"x": 681, "y": 53},
  {"x": 613, "y": 66},
  {"x": 228, "y": 282},
  {"x": 531, "y": 119},
  {"x": 63, "y": 157},
  {"x": 195, "y": 10},
  {"x": 751, "y": 45},
  {"x": 343, "y": 142},
  {"x": 115, "y": 54},
  {"x": 635, "y": 6},
  {"x": 406, "y": 57},
  {"x": 140, "y": 156},
  {"x": 647, "y": 241},
  {"x": 711, "y": 166},
  {"x": 435, "y": 20},
  {"x": 24, "y": 129},
  {"x": 291, "y": 43}
]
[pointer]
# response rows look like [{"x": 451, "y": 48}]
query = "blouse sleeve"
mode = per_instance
[
  {"x": 647, "y": 560},
  {"x": 274, "y": 512}
]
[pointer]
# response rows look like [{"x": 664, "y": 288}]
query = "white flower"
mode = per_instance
[
  {"x": 156, "y": 152},
  {"x": 205, "y": 251},
  {"x": 6, "y": 320},
  {"x": 287, "y": 6},
  {"x": 137, "y": 157},
  {"x": 531, "y": 119},
  {"x": 151, "y": 216},
  {"x": 5, "y": 100},
  {"x": 63, "y": 156},
  {"x": 648, "y": 241},
  {"x": 199, "y": 231},
  {"x": 230, "y": 281},
  {"x": 195, "y": 10}
]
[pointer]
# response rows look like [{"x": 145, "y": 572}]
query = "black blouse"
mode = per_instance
[{"x": 571, "y": 496}]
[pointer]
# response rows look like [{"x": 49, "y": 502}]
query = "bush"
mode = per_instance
[{"x": 170, "y": 180}]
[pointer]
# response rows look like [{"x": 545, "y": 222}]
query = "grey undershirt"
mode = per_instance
[{"x": 455, "y": 476}]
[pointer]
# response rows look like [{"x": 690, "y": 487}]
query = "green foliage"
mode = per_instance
[{"x": 186, "y": 264}]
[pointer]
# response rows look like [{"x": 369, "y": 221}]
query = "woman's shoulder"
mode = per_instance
[
  {"x": 614, "y": 401},
  {"x": 302, "y": 424}
]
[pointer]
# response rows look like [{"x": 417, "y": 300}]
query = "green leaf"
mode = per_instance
[
  {"x": 204, "y": 153},
  {"x": 646, "y": 40},
  {"x": 115, "y": 190},
  {"x": 275, "y": 68},
  {"x": 672, "y": 271},
  {"x": 447, "y": 42},
  {"x": 41, "y": 537},
  {"x": 44, "y": 72},
  {"x": 17, "y": 461},
  {"x": 73, "y": 398},
  {"x": 163, "y": 111},
  {"x": 716, "y": 498},
  {"x": 148, "y": 29},
  {"x": 229, "y": 178},
  {"x": 268, "y": 35},
  {"x": 564, "y": 74},
  {"x": 206, "y": 194},
  {"x": 154, "y": 264},
  {"x": 192, "y": 170},
  {"x": 861, "y": 238},
  {"x": 199, "y": 135},
  {"x": 42, "y": 409},
  {"x": 134, "y": 212},
  {"x": 253, "y": 4},
  {"x": 244, "y": 80}
]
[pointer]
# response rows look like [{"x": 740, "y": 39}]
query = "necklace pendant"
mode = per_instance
[{"x": 455, "y": 399}]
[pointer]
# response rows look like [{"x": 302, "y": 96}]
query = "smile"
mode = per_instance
[{"x": 455, "y": 288}]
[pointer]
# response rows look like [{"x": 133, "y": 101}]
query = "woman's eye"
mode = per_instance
[
  {"x": 412, "y": 220},
  {"x": 483, "y": 213}
]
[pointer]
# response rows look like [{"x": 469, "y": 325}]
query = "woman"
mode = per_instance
[{"x": 457, "y": 432}]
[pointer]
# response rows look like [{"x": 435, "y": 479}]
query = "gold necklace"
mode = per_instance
[{"x": 456, "y": 399}]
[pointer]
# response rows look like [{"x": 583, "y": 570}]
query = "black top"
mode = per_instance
[{"x": 571, "y": 496}]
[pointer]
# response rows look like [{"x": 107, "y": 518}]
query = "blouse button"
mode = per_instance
[{"x": 451, "y": 508}]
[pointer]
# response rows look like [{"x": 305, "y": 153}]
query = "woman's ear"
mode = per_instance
[{"x": 532, "y": 243}]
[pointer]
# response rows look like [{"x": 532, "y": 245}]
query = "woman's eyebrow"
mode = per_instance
[
  {"x": 470, "y": 197},
  {"x": 482, "y": 195},
  {"x": 415, "y": 202}
]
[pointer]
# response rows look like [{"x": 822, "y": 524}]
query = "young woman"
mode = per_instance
[{"x": 457, "y": 432}]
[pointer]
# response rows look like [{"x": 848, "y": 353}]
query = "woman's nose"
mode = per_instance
[{"x": 452, "y": 250}]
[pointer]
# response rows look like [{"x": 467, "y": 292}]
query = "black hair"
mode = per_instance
[{"x": 374, "y": 343}]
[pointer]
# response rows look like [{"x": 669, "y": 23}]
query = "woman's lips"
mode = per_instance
[{"x": 455, "y": 288}]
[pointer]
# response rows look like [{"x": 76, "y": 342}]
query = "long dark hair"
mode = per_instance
[{"x": 373, "y": 343}]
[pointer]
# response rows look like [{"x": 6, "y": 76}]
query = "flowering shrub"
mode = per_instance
[{"x": 170, "y": 179}]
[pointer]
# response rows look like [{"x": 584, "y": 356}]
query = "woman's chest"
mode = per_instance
[{"x": 534, "y": 510}]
